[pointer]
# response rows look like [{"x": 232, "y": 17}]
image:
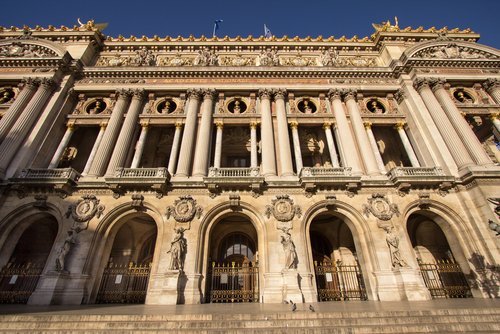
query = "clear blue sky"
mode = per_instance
[{"x": 292, "y": 17}]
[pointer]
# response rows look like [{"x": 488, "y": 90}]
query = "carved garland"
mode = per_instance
[
  {"x": 184, "y": 209},
  {"x": 379, "y": 206},
  {"x": 283, "y": 209}
]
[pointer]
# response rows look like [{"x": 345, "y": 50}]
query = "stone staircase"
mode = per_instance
[{"x": 457, "y": 320}]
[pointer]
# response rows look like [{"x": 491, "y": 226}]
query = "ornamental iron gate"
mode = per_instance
[
  {"x": 124, "y": 284},
  {"x": 234, "y": 283},
  {"x": 18, "y": 281},
  {"x": 337, "y": 281},
  {"x": 445, "y": 279}
]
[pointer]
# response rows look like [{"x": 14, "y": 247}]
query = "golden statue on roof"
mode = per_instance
[
  {"x": 91, "y": 25},
  {"x": 387, "y": 26}
]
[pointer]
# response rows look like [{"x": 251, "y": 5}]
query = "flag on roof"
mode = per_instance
[{"x": 267, "y": 32}]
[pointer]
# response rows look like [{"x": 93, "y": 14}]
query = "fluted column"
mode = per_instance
[
  {"x": 461, "y": 126},
  {"x": 218, "y": 144},
  {"x": 97, "y": 143},
  {"x": 126, "y": 133},
  {"x": 202, "y": 151},
  {"x": 344, "y": 133},
  {"x": 24, "y": 123},
  {"x": 335, "y": 130},
  {"x": 327, "y": 126},
  {"x": 296, "y": 146},
  {"x": 253, "y": 145},
  {"x": 492, "y": 86},
  {"x": 188, "y": 136},
  {"x": 283, "y": 137},
  {"x": 172, "y": 161},
  {"x": 17, "y": 107},
  {"x": 451, "y": 138},
  {"x": 103, "y": 153},
  {"x": 360, "y": 133},
  {"x": 496, "y": 122},
  {"x": 139, "y": 146},
  {"x": 62, "y": 145},
  {"x": 267, "y": 137},
  {"x": 400, "y": 127},
  {"x": 374, "y": 146}
]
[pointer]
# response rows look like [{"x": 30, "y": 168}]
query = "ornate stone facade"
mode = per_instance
[{"x": 281, "y": 168}]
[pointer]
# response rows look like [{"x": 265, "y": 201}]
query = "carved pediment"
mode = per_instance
[
  {"x": 452, "y": 50},
  {"x": 26, "y": 50}
]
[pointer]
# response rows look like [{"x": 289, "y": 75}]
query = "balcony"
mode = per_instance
[
  {"x": 405, "y": 177},
  {"x": 234, "y": 178},
  {"x": 59, "y": 179},
  {"x": 311, "y": 177},
  {"x": 138, "y": 178}
]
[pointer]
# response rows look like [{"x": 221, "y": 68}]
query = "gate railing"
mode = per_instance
[
  {"x": 337, "y": 281},
  {"x": 445, "y": 279},
  {"x": 124, "y": 284},
  {"x": 18, "y": 281},
  {"x": 232, "y": 283}
]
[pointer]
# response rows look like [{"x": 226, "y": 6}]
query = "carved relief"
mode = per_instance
[
  {"x": 329, "y": 57},
  {"x": 298, "y": 60},
  {"x": 6, "y": 95},
  {"x": 283, "y": 209},
  {"x": 453, "y": 51},
  {"x": 379, "y": 206},
  {"x": 22, "y": 50},
  {"x": 206, "y": 57},
  {"x": 85, "y": 209},
  {"x": 268, "y": 57},
  {"x": 184, "y": 209}
]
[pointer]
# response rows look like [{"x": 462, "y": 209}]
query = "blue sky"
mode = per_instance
[{"x": 292, "y": 17}]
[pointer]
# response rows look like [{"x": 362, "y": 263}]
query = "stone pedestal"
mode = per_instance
[
  {"x": 53, "y": 288},
  {"x": 389, "y": 286},
  {"x": 165, "y": 289},
  {"x": 306, "y": 286},
  {"x": 414, "y": 285},
  {"x": 291, "y": 289},
  {"x": 273, "y": 288},
  {"x": 189, "y": 289}
]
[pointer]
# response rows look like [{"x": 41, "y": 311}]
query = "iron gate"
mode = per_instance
[
  {"x": 445, "y": 279},
  {"x": 18, "y": 281},
  {"x": 232, "y": 283},
  {"x": 337, "y": 281},
  {"x": 124, "y": 284}
]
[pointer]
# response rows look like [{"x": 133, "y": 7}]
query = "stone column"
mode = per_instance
[
  {"x": 253, "y": 145},
  {"x": 188, "y": 136},
  {"x": 172, "y": 161},
  {"x": 374, "y": 146},
  {"x": 62, "y": 145},
  {"x": 103, "y": 152},
  {"x": 202, "y": 150},
  {"x": 126, "y": 133},
  {"x": 492, "y": 86},
  {"x": 360, "y": 133},
  {"x": 453, "y": 142},
  {"x": 335, "y": 129},
  {"x": 285, "y": 152},
  {"x": 327, "y": 126},
  {"x": 17, "y": 107},
  {"x": 296, "y": 146},
  {"x": 495, "y": 121},
  {"x": 24, "y": 124},
  {"x": 218, "y": 144},
  {"x": 400, "y": 127},
  {"x": 266, "y": 129},
  {"x": 344, "y": 133},
  {"x": 461, "y": 126},
  {"x": 139, "y": 146},
  {"x": 97, "y": 143}
]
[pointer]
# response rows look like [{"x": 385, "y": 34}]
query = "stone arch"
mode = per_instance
[
  {"x": 103, "y": 239},
  {"x": 360, "y": 233}
]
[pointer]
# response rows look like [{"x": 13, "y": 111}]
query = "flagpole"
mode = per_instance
[{"x": 215, "y": 26}]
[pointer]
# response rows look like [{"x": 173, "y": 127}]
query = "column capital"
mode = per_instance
[
  {"x": 400, "y": 125},
  {"x": 279, "y": 93},
  {"x": 71, "y": 125},
  {"x": 438, "y": 84},
  {"x": 32, "y": 82},
  {"x": 178, "y": 125},
  {"x": 334, "y": 94},
  {"x": 219, "y": 125},
  {"x": 421, "y": 83},
  {"x": 491, "y": 83},
  {"x": 145, "y": 123},
  {"x": 194, "y": 93},
  {"x": 494, "y": 115},
  {"x": 123, "y": 93},
  {"x": 294, "y": 125},
  {"x": 349, "y": 94},
  {"x": 47, "y": 84},
  {"x": 327, "y": 125},
  {"x": 400, "y": 95},
  {"x": 368, "y": 125},
  {"x": 138, "y": 94},
  {"x": 209, "y": 94},
  {"x": 254, "y": 124},
  {"x": 265, "y": 93},
  {"x": 103, "y": 125}
]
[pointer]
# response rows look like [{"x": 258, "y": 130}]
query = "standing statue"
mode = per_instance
[
  {"x": 289, "y": 248},
  {"x": 64, "y": 250},
  {"x": 393, "y": 242},
  {"x": 178, "y": 247}
]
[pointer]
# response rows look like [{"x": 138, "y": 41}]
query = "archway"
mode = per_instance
[
  {"x": 131, "y": 249},
  {"x": 442, "y": 274},
  {"x": 19, "y": 277},
  {"x": 336, "y": 266},
  {"x": 233, "y": 270}
]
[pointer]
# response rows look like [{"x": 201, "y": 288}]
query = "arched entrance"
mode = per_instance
[
  {"x": 233, "y": 271},
  {"x": 442, "y": 274},
  {"x": 19, "y": 277},
  {"x": 126, "y": 275},
  {"x": 336, "y": 266}
]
